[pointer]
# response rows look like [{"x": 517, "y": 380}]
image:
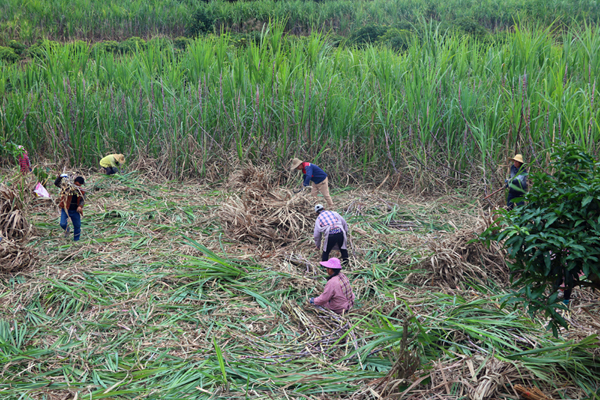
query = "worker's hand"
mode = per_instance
[
  {"x": 80, "y": 210},
  {"x": 311, "y": 301}
]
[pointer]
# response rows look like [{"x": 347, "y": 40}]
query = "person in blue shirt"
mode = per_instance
[
  {"x": 317, "y": 176},
  {"x": 517, "y": 183}
]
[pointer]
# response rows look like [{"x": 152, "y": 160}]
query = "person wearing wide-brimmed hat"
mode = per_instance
[
  {"x": 314, "y": 174},
  {"x": 331, "y": 232},
  {"x": 517, "y": 183},
  {"x": 110, "y": 163},
  {"x": 337, "y": 295}
]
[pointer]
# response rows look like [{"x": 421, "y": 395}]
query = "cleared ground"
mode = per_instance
[{"x": 179, "y": 290}]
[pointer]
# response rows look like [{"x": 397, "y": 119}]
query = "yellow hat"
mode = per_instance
[
  {"x": 120, "y": 158},
  {"x": 295, "y": 163},
  {"x": 518, "y": 158}
]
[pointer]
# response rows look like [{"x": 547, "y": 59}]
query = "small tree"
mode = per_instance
[{"x": 555, "y": 237}]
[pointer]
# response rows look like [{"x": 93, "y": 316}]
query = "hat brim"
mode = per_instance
[
  {"x": 325, "y": 265},
  {"x": 295, "y": 165}
]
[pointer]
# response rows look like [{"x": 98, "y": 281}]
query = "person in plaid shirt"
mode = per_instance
[
  {"x": 337, "y": 295},
  {"x": 24, "y": 162},
  {"x": 330, "y": 232}
]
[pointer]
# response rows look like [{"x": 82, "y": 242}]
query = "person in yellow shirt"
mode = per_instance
[{"x": 110, "y": 163}]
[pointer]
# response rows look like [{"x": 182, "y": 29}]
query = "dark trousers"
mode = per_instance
[
  {"x": 510, "y": 204},
  {"x": 111, "y": 170},
  {"x": 76, "y": 218},
  {"x": 336, "y": 238}
]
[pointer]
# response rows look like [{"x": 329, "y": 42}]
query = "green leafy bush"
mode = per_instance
[
  {"x": 40, "y": 48},
  {"x": 18, "y": 47},
  {"x": 555, "y": 236},
  {"x": 396, "y": 39},
  {"x": 202, "y": 22},
  {"x": 181, "y": 42},
  {"x": 469, "y": 26},
  {"x": 7, "y": 54},
  {"x": 367, "y": 34},
  {"x": 109, "y": 46},
  {"x": 132, "y": 45}
]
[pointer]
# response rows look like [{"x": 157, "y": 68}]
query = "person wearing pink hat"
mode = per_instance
[{"x": 338, "y": 295}]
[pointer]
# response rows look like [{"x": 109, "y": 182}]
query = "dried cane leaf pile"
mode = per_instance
[
  {"x": 263, "y": 216},
  {"x": 453, "y": 259},
  {"x": 14, "y": 233}
]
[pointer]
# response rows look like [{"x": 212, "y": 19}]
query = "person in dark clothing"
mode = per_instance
[
  {"x": 517, "y": 183},
  {"x": 71, "y": 204},
  {"x": 314, "y": 174},
  {"x": 330, "y": 232}
]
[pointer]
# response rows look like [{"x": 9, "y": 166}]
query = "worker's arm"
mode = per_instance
[
  {"x": 309, "y": 172},
  {"x": 317, "y": 234},
  {"x": 58, "y": 181},
  {"x": 326, "y": 296}
]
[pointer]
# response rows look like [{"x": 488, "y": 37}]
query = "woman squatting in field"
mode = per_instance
[{"x": 337, "y": 295}]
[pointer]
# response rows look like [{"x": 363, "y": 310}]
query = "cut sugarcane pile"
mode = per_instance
[{"x": 268, "y": 219}]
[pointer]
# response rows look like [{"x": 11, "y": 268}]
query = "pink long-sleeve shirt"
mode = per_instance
[{"x": 337, "y": 296}]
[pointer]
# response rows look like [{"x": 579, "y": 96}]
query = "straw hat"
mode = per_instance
[
  {"x": 518, "y": 158},
  {"x": 295, "y": 163},
  {"x": 333, "y": 263},
  {"x": 120, "y": 158}
]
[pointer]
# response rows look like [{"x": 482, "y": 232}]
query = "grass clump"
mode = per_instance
[{"x": 7, "y": 54}]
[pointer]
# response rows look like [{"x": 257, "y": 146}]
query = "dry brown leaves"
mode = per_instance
[
  {"x": 13, "y": 224},
  {"x": 14, "y": 256},
  {"x": 454, "y": 259},
  {"x": 264, "y": 216}
]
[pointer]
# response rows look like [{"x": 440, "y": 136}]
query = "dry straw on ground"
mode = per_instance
[
  {"x": 454, "y": 259},
  {"x": 13, "y": 224},
  {"x": 264, "y": 216}
]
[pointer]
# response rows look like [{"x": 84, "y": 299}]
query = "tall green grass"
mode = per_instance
[
  {"x": 118, "y": 19},
  {"x": 449, "y": 106}
]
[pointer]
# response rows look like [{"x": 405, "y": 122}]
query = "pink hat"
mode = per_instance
[{"x": 333, "y": 263}]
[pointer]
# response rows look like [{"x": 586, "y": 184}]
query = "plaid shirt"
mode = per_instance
[
  {"x": 347, "y": 289},
  {"x": 329, "y": 218}
]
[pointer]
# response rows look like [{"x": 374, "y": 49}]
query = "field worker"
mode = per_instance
[
  {"x": 23, "y": 159},
  {"x": 316, "y": 175},
  {"x": 338, "y": 295},
  {"x": 517, "y": 183},
  {"x": 71, "y": 206},
  {"x": 110, "y": 163},
  {"x": 331, "y": 232}
]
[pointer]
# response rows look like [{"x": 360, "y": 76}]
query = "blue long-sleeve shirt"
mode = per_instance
[
  {"x": 313, "y": 173},
  {"x": 517, "y": 183}
]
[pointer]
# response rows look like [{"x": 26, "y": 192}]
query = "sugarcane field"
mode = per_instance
[{"x": 299, "y": 199}]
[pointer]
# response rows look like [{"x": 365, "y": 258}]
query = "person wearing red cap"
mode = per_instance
[{"x": 338, "y": 295}]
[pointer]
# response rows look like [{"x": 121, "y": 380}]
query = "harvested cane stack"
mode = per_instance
[
  {"x": 454, "y": 259},
  {"x": 13, "y": 224},
  {"x": 263, "y": 216},
  {"x": 266, "y": 219},
  {"x": 14, "y": 232}
]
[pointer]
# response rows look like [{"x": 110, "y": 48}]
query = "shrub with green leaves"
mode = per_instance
[
  {"x": 202, "y": 22},
  {"x": 18, "y": 47},
  {"x": 555, "y": 237},
  {"x": 7, "y": 54},
  {"x": 132, "y": 45},
  {"x": 397, "y": 39},
  {"x": 367, "y": 34}
]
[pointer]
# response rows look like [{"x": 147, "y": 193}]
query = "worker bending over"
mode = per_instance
[
  {"x": 110, "y": 163},
  {"x": 331, "y": 231},
  {"x": 338, "y": 295},
  {"x": 311, "y": 172}
]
